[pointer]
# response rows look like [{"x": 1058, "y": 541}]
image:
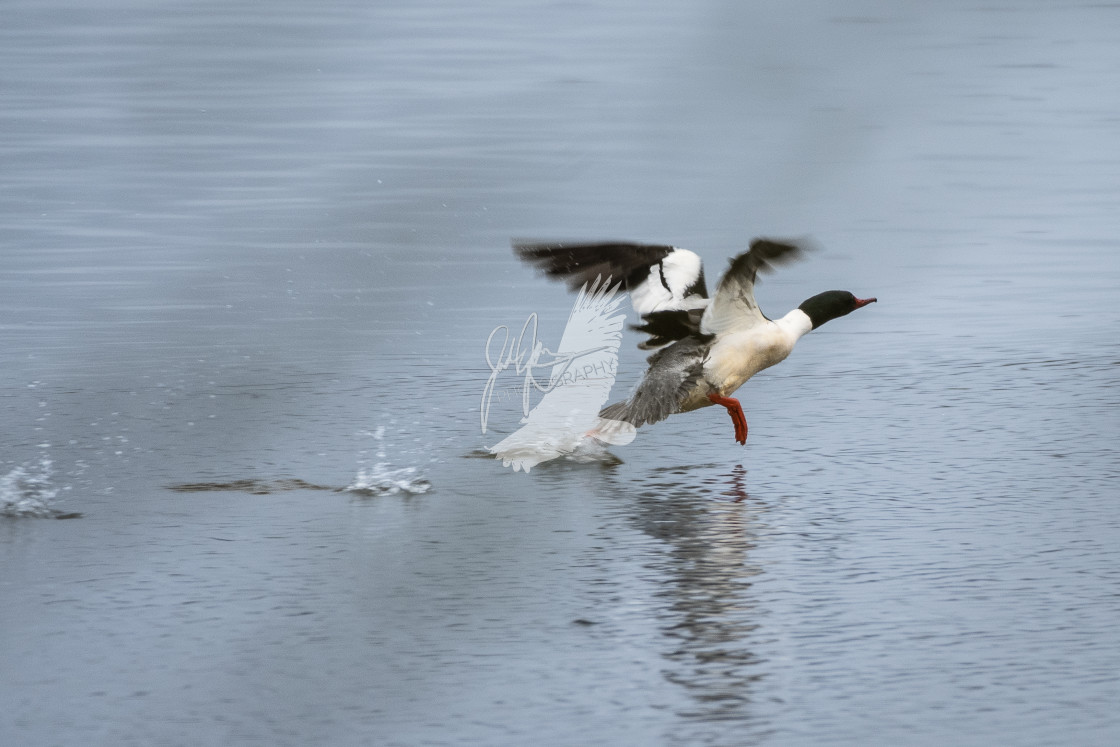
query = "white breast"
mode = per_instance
[{"x": 737, "y": 356}]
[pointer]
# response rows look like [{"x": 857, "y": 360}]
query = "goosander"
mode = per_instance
[{"x": 706, "y": 348}]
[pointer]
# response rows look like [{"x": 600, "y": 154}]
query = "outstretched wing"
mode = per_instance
[
  {"x": 665, "y": 283},
  {"x": 580, "y": 383},
  {"x": 733, "y": 307}
]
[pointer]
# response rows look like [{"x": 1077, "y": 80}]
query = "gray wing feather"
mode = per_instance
[{"x": 673, "y": 373}]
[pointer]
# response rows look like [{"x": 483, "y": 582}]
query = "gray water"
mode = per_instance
[{"x": 249, "y": 260}]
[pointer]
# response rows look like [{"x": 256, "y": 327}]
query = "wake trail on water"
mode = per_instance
[{"x": 376, "y": 479}]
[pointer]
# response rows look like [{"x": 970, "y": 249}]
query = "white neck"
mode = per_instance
[{"x": 796, "y": 324}]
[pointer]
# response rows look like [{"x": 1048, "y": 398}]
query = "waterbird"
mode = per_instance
[{"x": 706, "y": 348}]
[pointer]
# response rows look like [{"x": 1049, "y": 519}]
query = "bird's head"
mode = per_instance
[{"x": 829, "y": 305}]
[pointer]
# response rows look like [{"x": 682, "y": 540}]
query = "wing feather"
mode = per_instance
[
  {"x": 733, "y": 306},
  {"x": 673, "y": 373},
  {"x": 665, "y": 283},
  {"x": 578, "y": 386}
]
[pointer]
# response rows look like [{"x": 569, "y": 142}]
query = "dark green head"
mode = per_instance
[{"x": 826, "y": 306}]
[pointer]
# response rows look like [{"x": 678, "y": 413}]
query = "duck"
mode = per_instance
[{"x": 705, "y": 347}]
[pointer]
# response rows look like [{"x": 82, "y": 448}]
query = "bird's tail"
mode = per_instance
[
  {"x": 613, "y": 427},
  {"x": 616, "y": 411}
]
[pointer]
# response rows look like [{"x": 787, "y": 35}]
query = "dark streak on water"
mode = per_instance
[
  {"x": 256, "y": 487},
  {"x": 248, "y": 267}
]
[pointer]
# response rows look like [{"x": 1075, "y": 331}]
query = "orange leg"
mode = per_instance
[{"x": 735, "y": 410}]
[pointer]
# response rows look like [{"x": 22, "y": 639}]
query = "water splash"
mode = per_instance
[
  {"x": 381, "y": 479},
  {"x": 583, "y": 451},
  {"x": 26, "y": 491}
]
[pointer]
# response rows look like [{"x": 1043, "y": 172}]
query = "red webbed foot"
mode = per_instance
[{"x": 735, "y": 410}]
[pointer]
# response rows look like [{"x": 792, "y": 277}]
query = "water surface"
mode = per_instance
[{"x": 249, "y": 265}]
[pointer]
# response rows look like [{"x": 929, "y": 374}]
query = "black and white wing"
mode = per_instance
[
  {"x": 665, "y": 283},
  {"x": 733, "y": 307}
]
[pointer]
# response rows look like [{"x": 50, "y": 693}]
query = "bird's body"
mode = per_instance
[
  {"x": 738, "y": 356},
  {"x": 709, "y": 347}
]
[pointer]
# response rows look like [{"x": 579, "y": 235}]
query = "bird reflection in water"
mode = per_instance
[
  {"x": 737, "y": 485},
  {"x": 707, "y": 612}
]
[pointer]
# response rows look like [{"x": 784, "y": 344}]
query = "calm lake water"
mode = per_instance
[{"x": 250, "y": 258}]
